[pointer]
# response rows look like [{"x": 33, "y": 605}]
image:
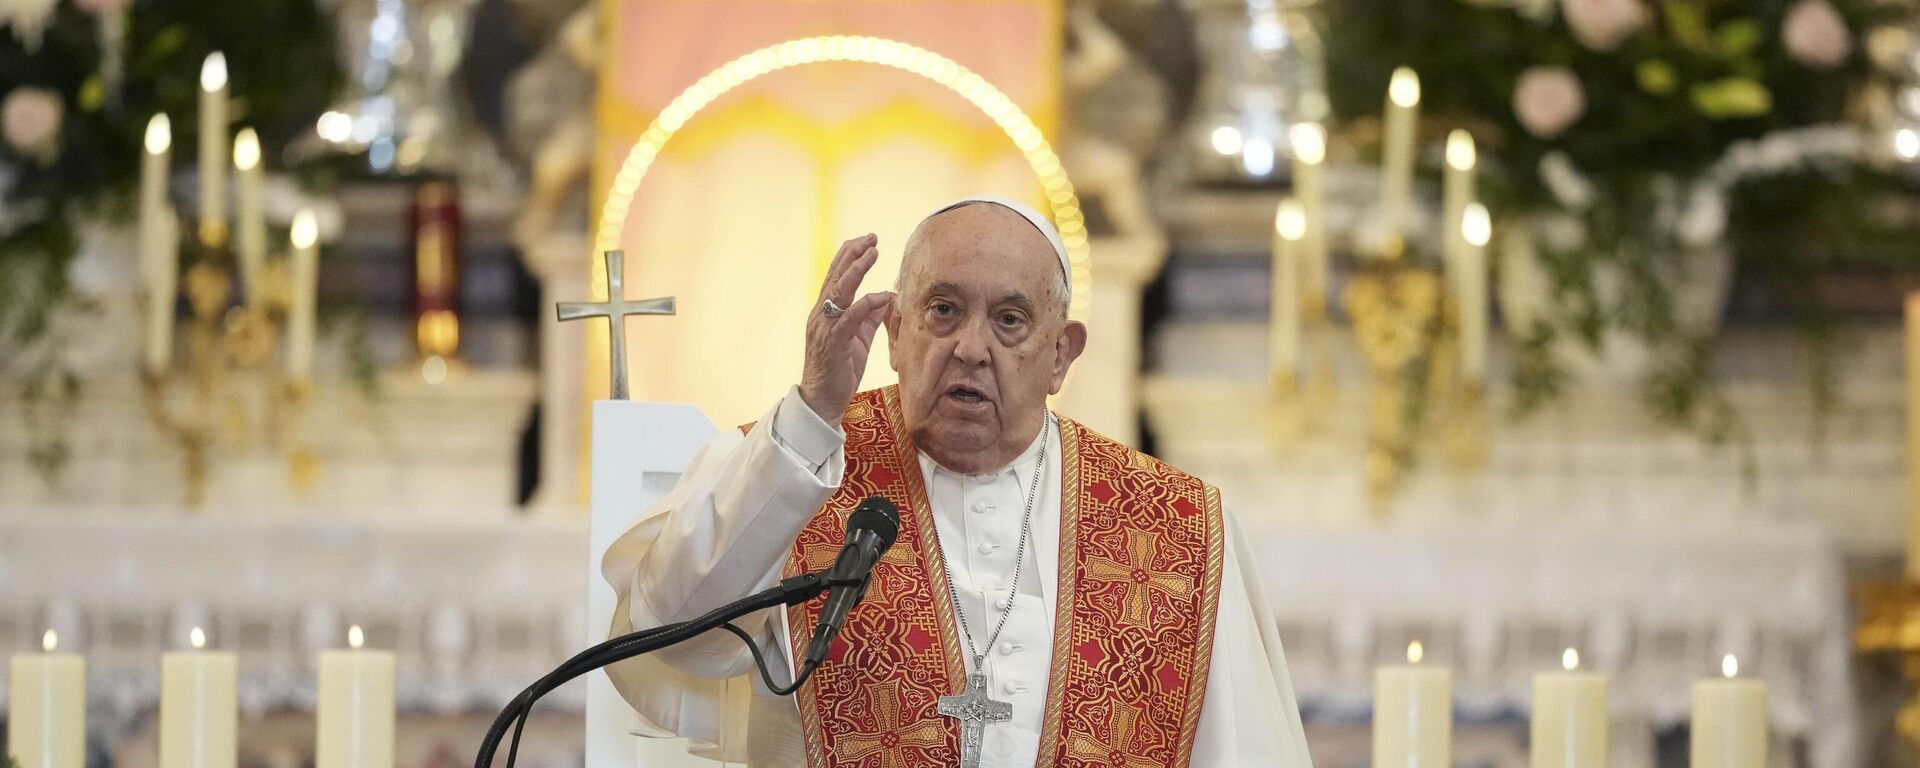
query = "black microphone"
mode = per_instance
[{"x": 871, "y": 529}]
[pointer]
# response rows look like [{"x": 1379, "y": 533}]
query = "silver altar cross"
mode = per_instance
[
  {"x": 616, "y": 309},
  {"x": 974, "y": 709}
]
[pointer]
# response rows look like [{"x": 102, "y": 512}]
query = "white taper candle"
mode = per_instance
[
  {"x": 305, "y": 277},
  {"x": 250, "y": 222},
  {"x": 1396, "y": 168},
  {"x": 213, "y": 145},
  {"x": 1309, "y": 154},
  {"x": 1283, "y": 352},
  {"x": 159, "y": 244}
]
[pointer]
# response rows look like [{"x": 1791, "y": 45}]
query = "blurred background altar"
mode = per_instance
[{"x": 1508, "y": 326}]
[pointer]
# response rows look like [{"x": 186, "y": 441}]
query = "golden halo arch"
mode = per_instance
[{"x": 1065, "y": 206}]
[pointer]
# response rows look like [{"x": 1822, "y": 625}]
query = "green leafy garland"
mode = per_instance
[
  {"x": 282, "y": 58},
  {"x": 1669, "y": 95}
]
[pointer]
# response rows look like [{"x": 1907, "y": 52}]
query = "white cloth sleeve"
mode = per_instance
[
  {"x": 722, "y": 533},
  {"x": 1250, "y": 716}
]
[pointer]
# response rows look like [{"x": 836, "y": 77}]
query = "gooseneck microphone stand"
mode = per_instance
[{"x": 793, "y": 591}]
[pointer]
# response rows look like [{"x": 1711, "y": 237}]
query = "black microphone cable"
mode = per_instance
[
  {"x": 759, "y": 661},
  {"x": 520, "y": 708},
  {"x": 875, "y": 515}
]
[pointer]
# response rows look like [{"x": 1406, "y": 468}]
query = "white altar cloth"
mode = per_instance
[
  {"x": 475, "y": 610},
  {"x": 1499, "y": 602}
]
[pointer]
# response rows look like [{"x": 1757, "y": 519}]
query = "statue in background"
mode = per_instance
[
  {"x": 549, "y": 126},
  {"x": 1116, "y": 116}
]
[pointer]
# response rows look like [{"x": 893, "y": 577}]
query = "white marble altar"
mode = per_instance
[
  {"x": 1596, "y": 456},
  {"x": 409, "y": 448},
  {"x": 1589, "y": 526}
]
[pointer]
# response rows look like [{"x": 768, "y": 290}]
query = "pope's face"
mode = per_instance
[{"x": 979, "y": 336}]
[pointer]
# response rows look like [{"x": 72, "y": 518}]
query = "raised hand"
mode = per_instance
[{"x": 837, "y": 346}]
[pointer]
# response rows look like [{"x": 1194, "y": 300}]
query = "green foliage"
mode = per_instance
[{"x": 1662, "y": 108}]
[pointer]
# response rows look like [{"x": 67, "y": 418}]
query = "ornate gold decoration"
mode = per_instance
[
  {"x": 196, "y": 405},
  {"x": 1299, "y": 404},
  {"x": 1890, "y": 623},
  {"x": 1406, "y": 326},
  {"x": 1394, "y": 304},
  {"x": 1454, "y": 405}
]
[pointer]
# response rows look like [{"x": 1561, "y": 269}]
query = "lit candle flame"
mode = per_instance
[
  {"x": 213, "y": 72},
  {"x": 1309, "y": 142},
  {"x": 1476, "y": 225},
  {"x": 334, "y": 126},
  {"x": 1460, "y": 151},
  {"x": 1405, "y": 88},
  {"x": 197, "y": 638},
  {"x": 159, "y": 134},
  {"x": 355, "y": 637},
  {"x": 1415, "y": 652},
  {"x": 1906, "y": 143},
  {"x": 246, "y": 149},
  {"x": 1570, "y": 660},
  {"x": 1291, "y": 220},
  {"x": 1730, "y": 666},
  {"x": 305, "y": 229},
  {"x": 1226, "y": 140},
  {"x": 49, "y": 641}
]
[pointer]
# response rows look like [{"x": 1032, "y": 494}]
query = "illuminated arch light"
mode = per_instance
[{"x": 871, "y": 50}]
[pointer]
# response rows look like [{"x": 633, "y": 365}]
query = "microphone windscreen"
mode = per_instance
[{"x": 878, "y": 515}]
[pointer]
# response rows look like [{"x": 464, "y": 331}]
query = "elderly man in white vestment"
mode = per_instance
[{"x": 1106, "y": 598}]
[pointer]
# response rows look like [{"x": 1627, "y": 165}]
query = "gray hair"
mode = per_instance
[{"x": 1060, "y": 290}]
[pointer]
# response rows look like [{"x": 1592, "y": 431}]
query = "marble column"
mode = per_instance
[{"x": 1103, "y": 390}]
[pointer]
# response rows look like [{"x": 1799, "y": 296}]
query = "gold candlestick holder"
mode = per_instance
[
  {"x": 1394, "y": 304},
  {"x": 199, "y": 406},
  {"x": 1458, "y": 404},
  {"x": 1298, "y": 404}
]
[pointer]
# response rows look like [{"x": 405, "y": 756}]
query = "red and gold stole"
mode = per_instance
[{"x": 1139, "y": 584}]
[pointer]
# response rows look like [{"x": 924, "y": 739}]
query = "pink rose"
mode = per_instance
[
  {"x": 30, "y": 122},
  {"x": 1602, "y": 24},
  {"x": 1816, "y": 35},
  {"x": 101, "y": 7},
  {"x": 1547, "y": 100}
]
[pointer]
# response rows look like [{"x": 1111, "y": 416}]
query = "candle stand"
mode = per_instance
[{"x": 199, "y": 405}]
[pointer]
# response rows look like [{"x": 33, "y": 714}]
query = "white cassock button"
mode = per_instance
[
  {"x": 1010, "y": 647},
  {"x": 1012, "y": 688},
  {"x": 987, "y": 547},
  {"x": 983, "y": 506}
]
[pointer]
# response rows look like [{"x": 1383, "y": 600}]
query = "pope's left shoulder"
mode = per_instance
[{"x": 1091, "y": 439}]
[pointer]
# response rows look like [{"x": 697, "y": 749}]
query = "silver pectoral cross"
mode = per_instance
[
  {"x": 616, "y": 309},
  {"x": 974, "y": 709}
]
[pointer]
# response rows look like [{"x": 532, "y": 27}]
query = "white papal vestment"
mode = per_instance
[{"x": 726, "y": 530}]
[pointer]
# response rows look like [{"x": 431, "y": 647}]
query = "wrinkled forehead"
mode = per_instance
[{"x": 992, "y": 225}]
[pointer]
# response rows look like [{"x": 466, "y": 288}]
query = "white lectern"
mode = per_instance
[{"x": 639, "y": 451}]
